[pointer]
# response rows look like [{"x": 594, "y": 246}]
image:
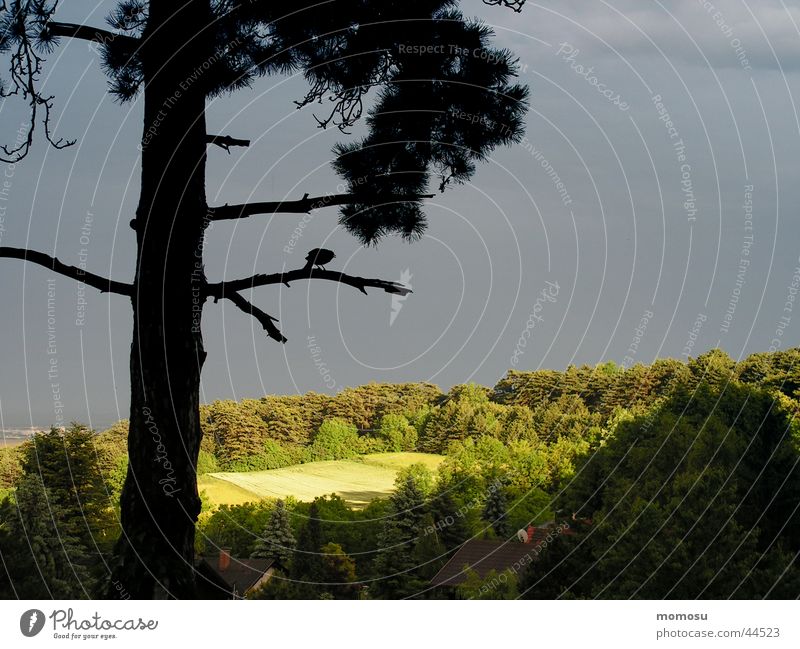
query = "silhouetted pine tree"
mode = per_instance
[{"x": 438, "y": 110}]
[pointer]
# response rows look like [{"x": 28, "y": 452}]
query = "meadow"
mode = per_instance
[{"x": 357, "y": 481}]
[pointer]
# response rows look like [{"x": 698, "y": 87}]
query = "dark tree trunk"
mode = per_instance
[{"x": 160, "y": 504}]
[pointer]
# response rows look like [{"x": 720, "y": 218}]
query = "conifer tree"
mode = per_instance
[
  {"x": 307, "y": 564},
  {"x": 429, "y": 553},
  {"x": 44, "y": 560},
  {"x": 495, "y": 511},
  {"x": 396, "y": 563},
  {"x": 448, "y": 519},
  {"x": 67, "y": 464},
  {"x": 277, "y": 541}
]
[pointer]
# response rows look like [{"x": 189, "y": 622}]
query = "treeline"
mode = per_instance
[
  {"x": 544, "y": 405},
  {"x": 276, "y": 431},
  {"x": 676, "y": 480}
]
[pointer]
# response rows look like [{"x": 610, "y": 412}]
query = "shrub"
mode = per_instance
[
  {"x": 420, "y": 474},
  {"x": 336, "y": 439},
  {"x": 206, "y": 463},
  {"x": 372, "y": 445},
  {"x": 10, "y": 466},
  {"x": 233, "y": 526},
  {"x": 397, "y": 434},
  {"x": 273, "y": 456},
  {"x": 115, "y": 478}
]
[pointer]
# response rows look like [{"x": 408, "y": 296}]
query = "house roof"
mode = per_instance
[
  {"x": 483, "y": 556},
  {"x": 240, "y": 575}
]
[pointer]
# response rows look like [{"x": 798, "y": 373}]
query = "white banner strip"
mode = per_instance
[{"x": 379, "y": 624}]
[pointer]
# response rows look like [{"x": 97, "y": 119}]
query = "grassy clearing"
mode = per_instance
[
  {"x": 222, "y": 492},
  {"x": 397, "y": 461},
  {"x": 356, "y": 481}
]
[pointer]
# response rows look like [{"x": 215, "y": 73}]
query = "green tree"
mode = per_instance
[
  {"x": 714, "y": 367},
  {"x": 67, "y": 464},
  {"x": 472, "y": 465},
  {"x": 495, "y": 511},
  {"x": 529, "y": 389},
  {"x": 10, "y": 466},
  {"x": 697, "y": 498},
  {"x": 206, "y": 463},
  {"x": 237, "y": 527},
  {"x": 421, "y": 476},
  {"x": 236, "y": 428},
  {"x": 466, "y": 411},
  {"x": 307, "y": 565},
  {"x": 397, "y": 433},
  {"x": 292, "y": 420},
  {"x": 777, "y": 370},
  {"x": 429, "y": 552},
  {"x": 448, "y": 519},
  {"x": 395, "y": 564},
  {"x": 338, "y": 572},
  {"x": 271, "y": 455},
  {"x": 336, "y": 439},
  {"x": 44, "y": 560},
  {"x": 277, "y": 541},
  {"x": 495, "y": 585}
]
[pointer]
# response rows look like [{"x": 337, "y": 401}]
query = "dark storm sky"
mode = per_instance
[{"x": 639, "y": 250}]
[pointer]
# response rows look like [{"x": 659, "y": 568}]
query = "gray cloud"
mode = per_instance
[{"x": 725, "y": 32}]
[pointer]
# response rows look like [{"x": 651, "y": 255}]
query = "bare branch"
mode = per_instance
[
  {"x": 266, "y": 320},
  {"x": 86, "y": 33},
  {"x": 34, "y": 33},
  {"x": 221, "y": 289},
  {"x": 306, "y": 204},
  {"x": 102, "y": 284},
  {"x": 226, "y": 141}
]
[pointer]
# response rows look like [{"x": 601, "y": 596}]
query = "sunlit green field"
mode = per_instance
[{"x": 356, "y": 481}]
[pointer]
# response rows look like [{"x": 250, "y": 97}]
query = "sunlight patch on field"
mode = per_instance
[
  {"x": 399, "y": 461},
  {"x": 222, "y": 492},
  {"x": 356, "y": 481}
]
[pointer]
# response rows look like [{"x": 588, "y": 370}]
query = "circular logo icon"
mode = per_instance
[{"x": 31, "y": 622}]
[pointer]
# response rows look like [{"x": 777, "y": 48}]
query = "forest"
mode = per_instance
[{"x": 675, "y": 480}]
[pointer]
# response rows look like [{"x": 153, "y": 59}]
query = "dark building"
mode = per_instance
[
  {"x": 226, "y": 577},
  {"x": 487, "y": 555}
]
